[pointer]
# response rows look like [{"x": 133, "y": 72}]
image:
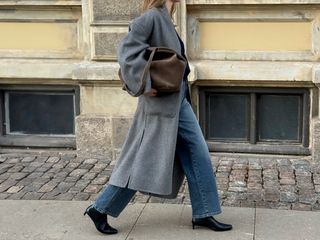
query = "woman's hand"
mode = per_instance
[{"x": 151, "y": 93}]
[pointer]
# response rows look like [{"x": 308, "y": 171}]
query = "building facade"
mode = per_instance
[{"x": 254, "y": 82}]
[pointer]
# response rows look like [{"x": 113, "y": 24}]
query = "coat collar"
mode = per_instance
[{"x": 163, "y": 9}]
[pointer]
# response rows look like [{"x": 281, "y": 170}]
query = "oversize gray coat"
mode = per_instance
[{"x": 147, "y": 162}]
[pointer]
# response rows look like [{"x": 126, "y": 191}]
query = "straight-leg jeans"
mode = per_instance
[{"x": 196, "y": 163}]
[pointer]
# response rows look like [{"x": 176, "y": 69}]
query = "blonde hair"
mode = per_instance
[{"x": 147, "y": 4}]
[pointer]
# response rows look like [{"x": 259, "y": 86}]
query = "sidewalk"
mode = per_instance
[{"x": 64, "y": 220}]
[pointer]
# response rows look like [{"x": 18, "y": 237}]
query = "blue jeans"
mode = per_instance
[{"x": 195, "y": 160}]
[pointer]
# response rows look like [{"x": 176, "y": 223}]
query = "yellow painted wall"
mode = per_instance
[
  {"x": 106, "y": 100},
  {"x": 265, "y": 36},
  {"x": 38, "y": 36}
]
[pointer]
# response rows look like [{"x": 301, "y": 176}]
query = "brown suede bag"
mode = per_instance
[{"x": 166, "y": 69}]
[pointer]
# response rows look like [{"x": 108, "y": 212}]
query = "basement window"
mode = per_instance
[
  {"x": 38, "y": 116},
  {"x": 260, "y": 120}
]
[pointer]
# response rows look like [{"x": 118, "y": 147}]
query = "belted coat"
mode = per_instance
[{"x": 147, "y": 161}]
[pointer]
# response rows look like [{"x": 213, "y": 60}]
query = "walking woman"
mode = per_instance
[{"x": 164, "y": 143}]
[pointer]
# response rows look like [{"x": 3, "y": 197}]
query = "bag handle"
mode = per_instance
[{"x": 143, "y": 78}]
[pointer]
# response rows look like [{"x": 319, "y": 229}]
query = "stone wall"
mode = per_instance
[{"x": 88, "y": 58}]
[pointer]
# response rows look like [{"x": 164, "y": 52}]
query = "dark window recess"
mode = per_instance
[
  {"x": 279, "y": 117},
  {"x": 39, "y": 113},
  {"x": 264, "y": 120},
  {"x": 228, "y": 116}
]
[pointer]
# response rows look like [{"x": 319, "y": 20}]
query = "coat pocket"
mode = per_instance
[{"x": 166, "y": 105}]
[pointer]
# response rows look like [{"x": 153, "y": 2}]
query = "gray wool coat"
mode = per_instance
[{"x": 147, "y": 162}]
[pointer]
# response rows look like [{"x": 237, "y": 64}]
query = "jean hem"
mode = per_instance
[
  {"x": 105, "y": 211},
  {"x": 206, "y": 214}
]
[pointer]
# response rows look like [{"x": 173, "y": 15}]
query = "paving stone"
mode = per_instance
[
  {"x": 92, "y": 188},
  {"x": 288, "y": 197},
  {"x": 78, "y": 172},
  {"x": 28, "y": 159},
  {"x": 89, "y": 176},
  {"x": 35, "y": 175},
  {"x": 237, "y": 189},
  {"x": 41, "y": 180},
  {"x": 42, "y": 159},
  {"x": 48, "y": 187},
  {"x": 29, "y": 169},
  {"x": 86, "y": 166},
  {"x": 254, "y": 195},
  {"x": 301, "y": 206},
  {"x": 253, "y": 185},
  {"x": 98, "y": 168},
  {"x": 72, "y": 179},
  {"x": 287, "y": 181},
  {"x": 53, "y": 159},
  {"x": 50, "y": 195},
  {"x": 72, "y": 165},
  {"x": 100, "y": 180},
  {"x": 36, "y": 164},
  {"x": 25, "y": 181},
  {"x": 64, "y": 186},
  {"x": 316, "y": 178},
  {"x": 32, "y": 196},
  {"x": 18, "y": 176},
  {"x": 271, "y": 194},
  {"x": 49, "y": 175},
  {"x": 16, "y": 168},
  {"x": 4, "y": 196},
  {"x": 79, "y": 186},
  {"x": 268, "y": 163},
  {"x": 224, "y": 168},
  {"x": 90, "y": 161},
  {"x": 5, "y": 167},
  {"x": 307, "y": 197},
  {"x": 55, "y": 170},
  {"x": 45, "y": 167},
  {"x": 283, "y": 162},
  {"x": 65, "y": 196},
  {"x": 93, "y": 197},
  {"x": 81, "y": 196},
  {"x": 59, "y": 165},
  {"x": 4, "y": 186},
  {"x": 14, "y": 189},
  {"x": 68, "y": 157},
  {"x": 33, "y": 187},
  {"x": 13, "y": 160},
  {"x": 2, "y": 159}
]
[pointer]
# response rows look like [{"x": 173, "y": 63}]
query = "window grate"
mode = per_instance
[{"x": 256, "y": 119}]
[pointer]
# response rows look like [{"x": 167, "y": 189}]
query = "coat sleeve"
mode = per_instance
[{"x": 130, "y": 52}]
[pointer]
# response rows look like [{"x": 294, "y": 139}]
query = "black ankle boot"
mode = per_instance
[
  {"x": 100, "y": 221},
  {"x": 211, "y": 223}
]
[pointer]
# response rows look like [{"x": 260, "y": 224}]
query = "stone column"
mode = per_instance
[
  {"x": 106, "y": 110},
  {"x": 316, "y": 120}
]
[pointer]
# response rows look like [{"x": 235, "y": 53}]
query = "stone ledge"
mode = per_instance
[
  {"x": 253, "y": 2},
  {"x": 254, "y": 70},
  {"x": 82, "y": 71},
  {"x": 316, "y": 74}
]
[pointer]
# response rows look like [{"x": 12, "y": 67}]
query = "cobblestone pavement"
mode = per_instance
[{"x": 244, "y": 180}]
